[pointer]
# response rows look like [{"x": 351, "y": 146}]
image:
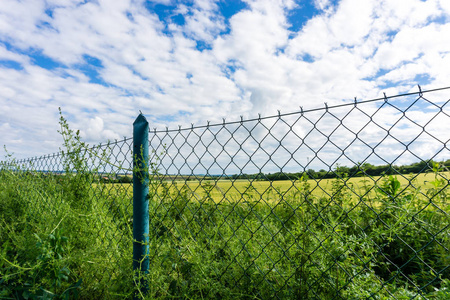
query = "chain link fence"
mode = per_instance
[
  {"x": 66, "y": 223},
  {"x": 342, "y": 202}
]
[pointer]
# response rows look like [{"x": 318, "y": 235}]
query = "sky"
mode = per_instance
[{"x": 190, "y": 62}]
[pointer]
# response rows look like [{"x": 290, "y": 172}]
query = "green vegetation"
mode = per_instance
[
  {"x": 69, "y": 236},
  {"x": 359, "y": 170},
  {"x": 393, "y": 241},
  {"x": 61, "y": 236}
]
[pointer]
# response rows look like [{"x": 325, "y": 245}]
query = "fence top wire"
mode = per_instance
[
  {"x": 302, "y": 111},
  {"x": 241, "y": 121},
  {"x": 91, "y": 148}
]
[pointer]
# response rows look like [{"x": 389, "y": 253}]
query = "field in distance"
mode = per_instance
[{"x": 235, "y": 190}]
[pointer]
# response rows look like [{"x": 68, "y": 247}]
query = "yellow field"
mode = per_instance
[{"x": 220, "y": 190}]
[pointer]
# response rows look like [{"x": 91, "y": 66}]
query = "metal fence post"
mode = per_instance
[{"x": 140, "y": 195}]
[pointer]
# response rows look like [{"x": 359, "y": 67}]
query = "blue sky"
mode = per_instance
[{"x": 183, "y": 62}]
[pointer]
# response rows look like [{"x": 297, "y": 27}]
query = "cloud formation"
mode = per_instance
[{"x": 183, "y": 63}]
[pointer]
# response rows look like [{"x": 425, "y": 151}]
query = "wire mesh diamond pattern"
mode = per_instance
[
  {"x": 245, "y": 205},
  {"x": 344, "y": 202}
]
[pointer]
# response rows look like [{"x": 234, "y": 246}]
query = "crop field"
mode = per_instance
[{"x": 235, "y": 190}]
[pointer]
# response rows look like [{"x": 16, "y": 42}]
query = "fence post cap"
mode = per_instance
[{"x": 140, "y": 119}]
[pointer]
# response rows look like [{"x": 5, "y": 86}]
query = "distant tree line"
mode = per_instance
[
  {"x": 364, "y": 169},
  {"x": 358, "y": 170}
]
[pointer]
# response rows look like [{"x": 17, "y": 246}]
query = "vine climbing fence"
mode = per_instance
[{"x": 342, "y": 202}]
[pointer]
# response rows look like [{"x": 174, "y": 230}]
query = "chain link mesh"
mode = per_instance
[
  {"x": 343, "y": 202},
  {"x": 89, "y": 193},
  {"x": 244, "y": 206}
]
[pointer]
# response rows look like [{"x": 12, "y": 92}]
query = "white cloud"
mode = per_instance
[
  {"x": 146, "y": 64},
  {"x": 202, "y": 21},
  {"x": 5, "y": 54},
  {"x": 321, "y": 4},
  {"x": 95, "y": 131}
]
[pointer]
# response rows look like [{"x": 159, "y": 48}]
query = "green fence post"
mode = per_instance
[{"x": 140, "y": 196}]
